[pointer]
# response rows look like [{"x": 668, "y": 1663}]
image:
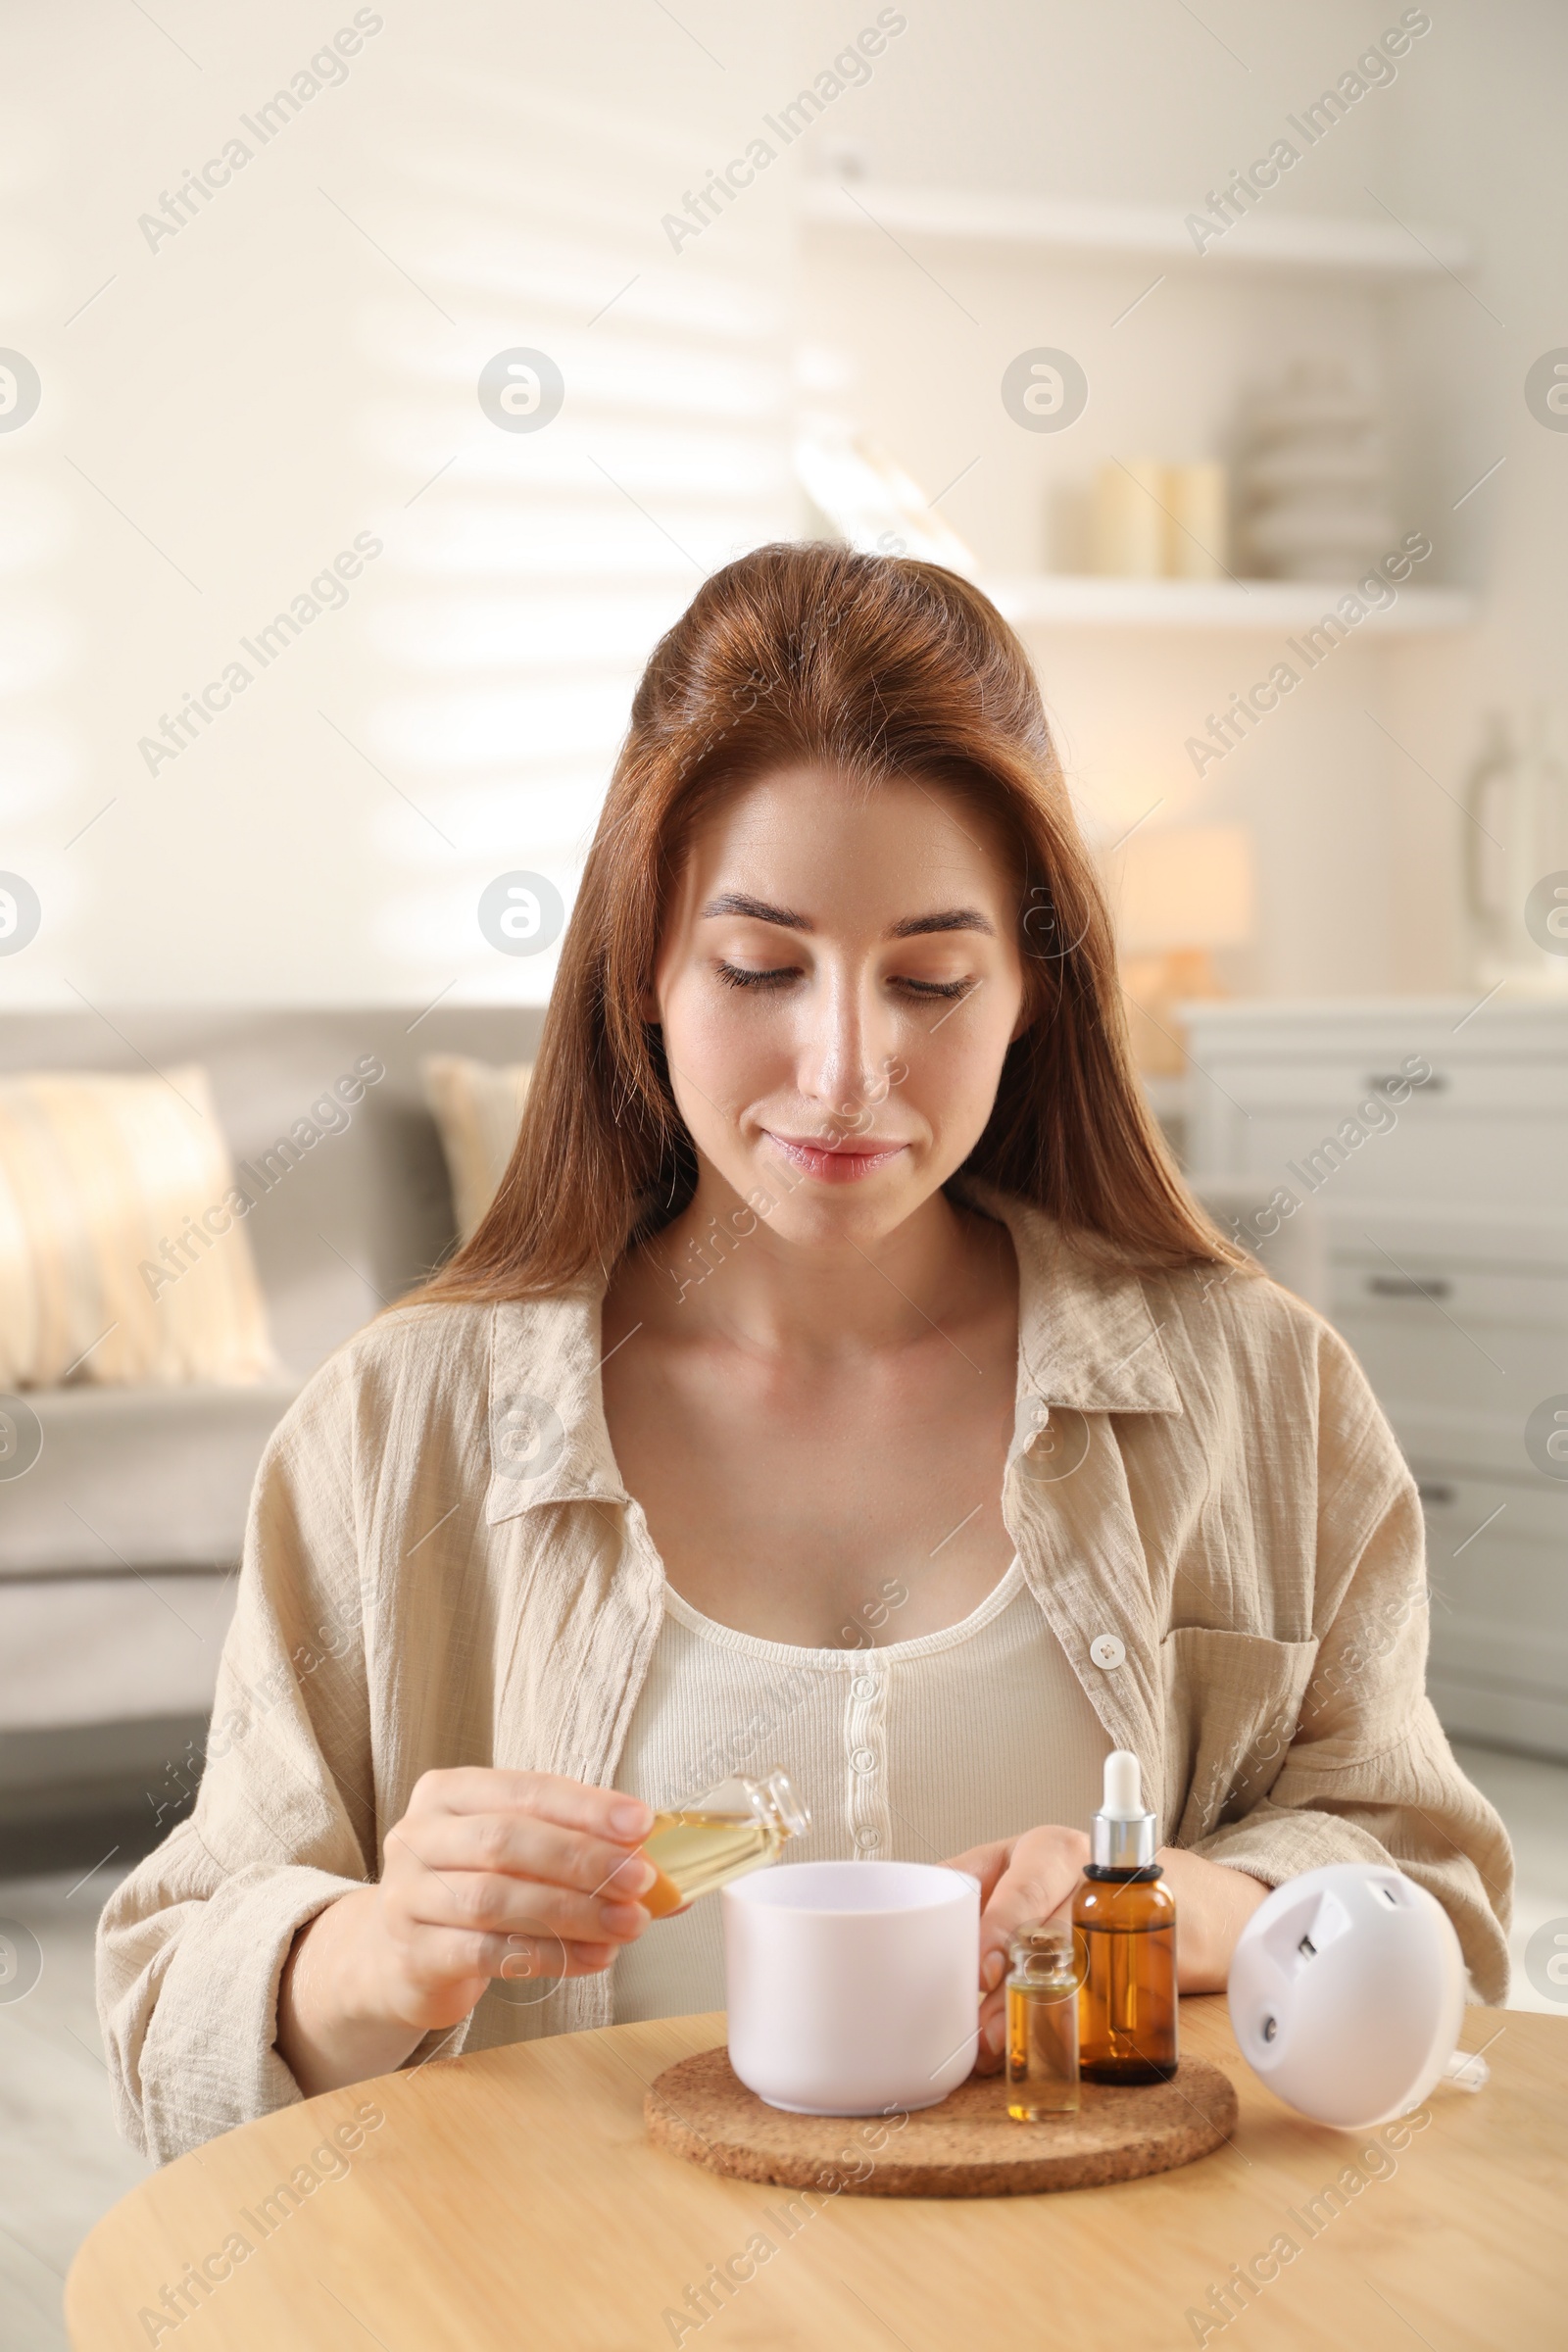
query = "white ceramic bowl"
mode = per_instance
[{"x": 854, "y": 1988}]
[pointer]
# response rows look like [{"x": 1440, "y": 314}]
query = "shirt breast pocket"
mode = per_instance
[{"x": 1231, "y": 1701}]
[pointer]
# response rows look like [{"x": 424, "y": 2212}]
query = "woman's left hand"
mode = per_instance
[
  {"x": 1021, "y": 1879},
  {"x": 1028, "y": 1878}
]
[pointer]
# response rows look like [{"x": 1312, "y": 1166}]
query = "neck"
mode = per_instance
[{"x": 829, "y": 1300}]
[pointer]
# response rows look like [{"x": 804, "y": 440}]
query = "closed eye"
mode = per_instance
[{"x": 735, "y": 975}]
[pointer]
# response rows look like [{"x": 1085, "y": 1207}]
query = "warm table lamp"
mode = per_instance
[{"x": 1177, "y": 895}]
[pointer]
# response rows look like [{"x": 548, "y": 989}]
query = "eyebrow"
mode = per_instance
[
  {"x": 952, "y": 919},
  {"x": 913, "y": 926},
  {"x": 735, "y": 902}
]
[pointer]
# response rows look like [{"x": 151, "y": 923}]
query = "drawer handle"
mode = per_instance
[
  {"x": 1433, "y": 1083},
  {"x": 1402, "y": 1286},
  {"x": 1438, "y": 1496}
]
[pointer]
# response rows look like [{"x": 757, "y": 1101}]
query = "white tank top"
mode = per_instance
[{"x": 909, "y": 1754}]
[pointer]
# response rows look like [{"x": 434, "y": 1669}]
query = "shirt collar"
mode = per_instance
[
  {"x": 1086, "y": 1339},
  {"x": 1085, "y": 1336},
  {"x": 549, "y": 1440}
]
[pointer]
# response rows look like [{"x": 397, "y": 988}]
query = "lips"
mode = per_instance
[{"x": 835, "y": 1164}]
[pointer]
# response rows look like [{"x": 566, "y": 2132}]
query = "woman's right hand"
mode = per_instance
[{"x": 488, "y": 1874}]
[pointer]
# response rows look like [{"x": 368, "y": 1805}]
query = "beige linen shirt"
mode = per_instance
[{"x": 442, "y": 1567}]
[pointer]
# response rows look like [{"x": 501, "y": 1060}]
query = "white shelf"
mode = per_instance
[
  {"x": 1156, "y": 234},
  {"x": 1065, "y": 601}
]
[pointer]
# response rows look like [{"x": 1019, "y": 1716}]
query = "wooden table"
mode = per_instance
[{"x": 508, "y": 2201}]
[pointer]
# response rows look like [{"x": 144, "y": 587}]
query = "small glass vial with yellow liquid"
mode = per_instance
[
  {"x": 1041, "y": 2024},
  {"x": 736, "y": 1826}
]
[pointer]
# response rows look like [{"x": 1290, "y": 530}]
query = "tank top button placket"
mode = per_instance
[{"x": 865, "y": 1753}]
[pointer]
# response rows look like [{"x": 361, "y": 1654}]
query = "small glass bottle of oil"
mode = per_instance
[
  {"x": 1125, "y": 1920},
  {"x": 1041, "y": 2025},
  {"x": 736, "y": 1826}
]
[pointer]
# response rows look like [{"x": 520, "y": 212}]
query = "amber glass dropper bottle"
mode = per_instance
[{"x": 1124, "y": 1923}]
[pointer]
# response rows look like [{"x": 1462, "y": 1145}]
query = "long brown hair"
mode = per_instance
[{"x": 880, "y": 667}]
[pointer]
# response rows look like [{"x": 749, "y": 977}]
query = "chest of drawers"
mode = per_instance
[{"x": 1431, "y": 1140}]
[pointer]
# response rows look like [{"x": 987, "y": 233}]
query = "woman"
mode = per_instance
[{"x": 841, "y": 1378}]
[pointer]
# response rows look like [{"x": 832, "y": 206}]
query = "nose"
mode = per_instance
[{"x": 843, "y": 1050}]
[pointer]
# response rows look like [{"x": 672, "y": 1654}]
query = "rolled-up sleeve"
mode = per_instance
[
  {"x": 192, "y": 1945},
  {"x": 1366, "y": 1773}
]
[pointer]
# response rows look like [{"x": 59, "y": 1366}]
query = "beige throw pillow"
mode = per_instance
[
  {"x": 122, "y": 1255},
  {"x": 476, "y": 1107}
]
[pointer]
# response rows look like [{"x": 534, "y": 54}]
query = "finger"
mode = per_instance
[
  {"x": 587, "y": 1959},
  {"x": 985, "y": 1863},
  {"x": 546, "y": 1796},
  {"x": 1024, "y": 1898},
  {"x": 570, "y": 1960},
  {"x": 487, "y": 1903},
  {"x": 992, "y": 2033},
  {"x": 1036, "y": 1886},
  {"x": 519, "y": 1845},
  {"x": 435, "y": 1958},
  {"x": 530, "y": 1958}
]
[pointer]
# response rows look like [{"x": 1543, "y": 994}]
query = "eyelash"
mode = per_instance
[{"x": 736, "y": 976}]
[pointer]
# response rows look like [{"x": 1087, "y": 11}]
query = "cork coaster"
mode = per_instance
[{"x": 967, "y": 2147}]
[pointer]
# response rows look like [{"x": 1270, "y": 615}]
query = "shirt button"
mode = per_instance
[
  {"x": 868, "y": 1837},
  {"x": 864, "y": 1760},
  {"x": 1107, "y": 1651},
  {"x": 864, "y": 1685}
]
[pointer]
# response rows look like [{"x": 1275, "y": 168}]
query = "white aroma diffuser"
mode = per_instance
[{"x": 1346, "y": 1990}]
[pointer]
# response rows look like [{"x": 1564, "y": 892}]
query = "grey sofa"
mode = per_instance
[{"x": 117, "y": 1547}]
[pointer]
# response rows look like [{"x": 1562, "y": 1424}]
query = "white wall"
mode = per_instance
[
  {"x": 242, "y": 400},
  {"x": 1488, "y": 144},
  {"x": 269, "y": 383}
]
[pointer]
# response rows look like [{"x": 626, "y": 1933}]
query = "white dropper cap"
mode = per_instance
[{"x": 1122, "y": 1832}]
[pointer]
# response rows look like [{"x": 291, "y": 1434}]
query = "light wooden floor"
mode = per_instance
[{"x": 62, "y": 2164}]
